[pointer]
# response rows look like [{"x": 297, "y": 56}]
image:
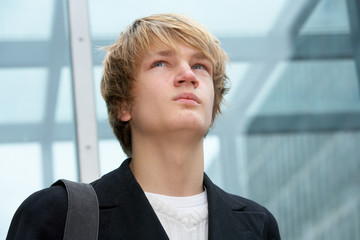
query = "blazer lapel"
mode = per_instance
[
  {"x": 228, "y": 218},
  {"x": 125, "y": 212}
]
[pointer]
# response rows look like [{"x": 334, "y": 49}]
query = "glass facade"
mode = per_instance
[
  {"x": 37, "y": 129},
  {"x": 288, "y": 137}
]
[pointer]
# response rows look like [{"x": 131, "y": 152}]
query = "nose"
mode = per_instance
[{"x": 186, "y": 76}]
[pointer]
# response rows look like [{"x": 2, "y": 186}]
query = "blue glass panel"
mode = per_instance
[
  {"x": 26, "y": 20},
  {"x": 22, "y": 95},
  {"x": 37, "y": 128}
]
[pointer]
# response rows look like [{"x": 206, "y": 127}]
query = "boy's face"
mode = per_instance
[{"x": 173, "y": 90}]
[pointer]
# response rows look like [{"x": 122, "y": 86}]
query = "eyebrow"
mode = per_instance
[
  {"x": 163, "y": 53},
  {"x": 200, "y": 55},
  {"x": 170, "y": 52}
]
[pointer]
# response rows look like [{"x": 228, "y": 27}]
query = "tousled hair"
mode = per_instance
[{"x": 124, "y": 56}]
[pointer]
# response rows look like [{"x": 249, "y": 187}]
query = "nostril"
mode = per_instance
[{"x": 195, "y": 83}]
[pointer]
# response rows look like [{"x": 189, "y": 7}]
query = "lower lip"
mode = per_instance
[{"x": 187, "y": 101}]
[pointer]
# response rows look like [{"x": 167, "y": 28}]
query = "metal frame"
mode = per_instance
[
  {"x": 286, "y": 28},
  {"x": 325, "y": 122},
  {"x": 82, "y": 69},
  {"x": 281, "y": 38},
  {"x": 353, "y": 7}
]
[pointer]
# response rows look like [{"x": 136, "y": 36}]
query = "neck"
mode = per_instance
[{"x": 170, "y": 164}]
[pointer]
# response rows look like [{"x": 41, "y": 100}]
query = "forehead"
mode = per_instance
[{"x": 166, "y": 51}]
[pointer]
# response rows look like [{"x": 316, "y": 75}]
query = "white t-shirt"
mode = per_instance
[{"x": 184, "y": 218}]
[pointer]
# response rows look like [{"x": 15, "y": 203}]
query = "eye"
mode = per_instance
[
  {"x": 203, "y": 67},
  {"x": 158, "y": 64},
  {"x": 199, "y": 66}
]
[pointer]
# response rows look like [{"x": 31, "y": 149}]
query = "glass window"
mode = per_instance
[
  {"x": 23, "y": 20},
  {"x": 26, "y": 106},
  {"x": 37, "y": 131}
]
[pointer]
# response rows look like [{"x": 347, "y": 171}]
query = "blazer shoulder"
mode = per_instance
[{"x": 41, "y": 216}]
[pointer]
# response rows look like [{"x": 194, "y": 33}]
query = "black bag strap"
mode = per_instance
[{"x": 82, "y": 220}]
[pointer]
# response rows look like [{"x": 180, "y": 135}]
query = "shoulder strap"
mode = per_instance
[{"x": 82, "y": 220}]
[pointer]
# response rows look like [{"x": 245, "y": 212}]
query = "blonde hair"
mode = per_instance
[{"x": 124, "y": 56}]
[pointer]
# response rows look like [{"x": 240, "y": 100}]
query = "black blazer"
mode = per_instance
[{"x": 125, "y": 213}]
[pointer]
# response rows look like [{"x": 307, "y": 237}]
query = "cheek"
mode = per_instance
[
  {"x": 212, "y": 95},
  {"x": 149, "y": 98},
  {"x": 211, "y": 100}
]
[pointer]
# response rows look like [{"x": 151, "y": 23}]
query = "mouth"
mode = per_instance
[{"x": 187, "y": 98}]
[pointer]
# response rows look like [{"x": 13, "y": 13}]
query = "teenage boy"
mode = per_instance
[{"x": 163, "y": 83}]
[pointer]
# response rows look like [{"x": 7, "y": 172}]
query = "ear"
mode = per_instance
[{"x": 124, "y": 115}]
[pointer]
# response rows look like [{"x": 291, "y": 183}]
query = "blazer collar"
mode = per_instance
[
  {"x": 113, "y": 186},
  {"x": 228, "y": 214},
  {"x": 229, "y": 217},
  {"x": 123, "y": 204}
]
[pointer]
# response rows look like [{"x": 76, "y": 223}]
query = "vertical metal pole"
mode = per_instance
[{"x": 86, "y": 125}]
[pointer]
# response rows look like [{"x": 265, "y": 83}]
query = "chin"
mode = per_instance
[
  {"x": 192, "y": 121},
  {"x": 192, "y": 124}
]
